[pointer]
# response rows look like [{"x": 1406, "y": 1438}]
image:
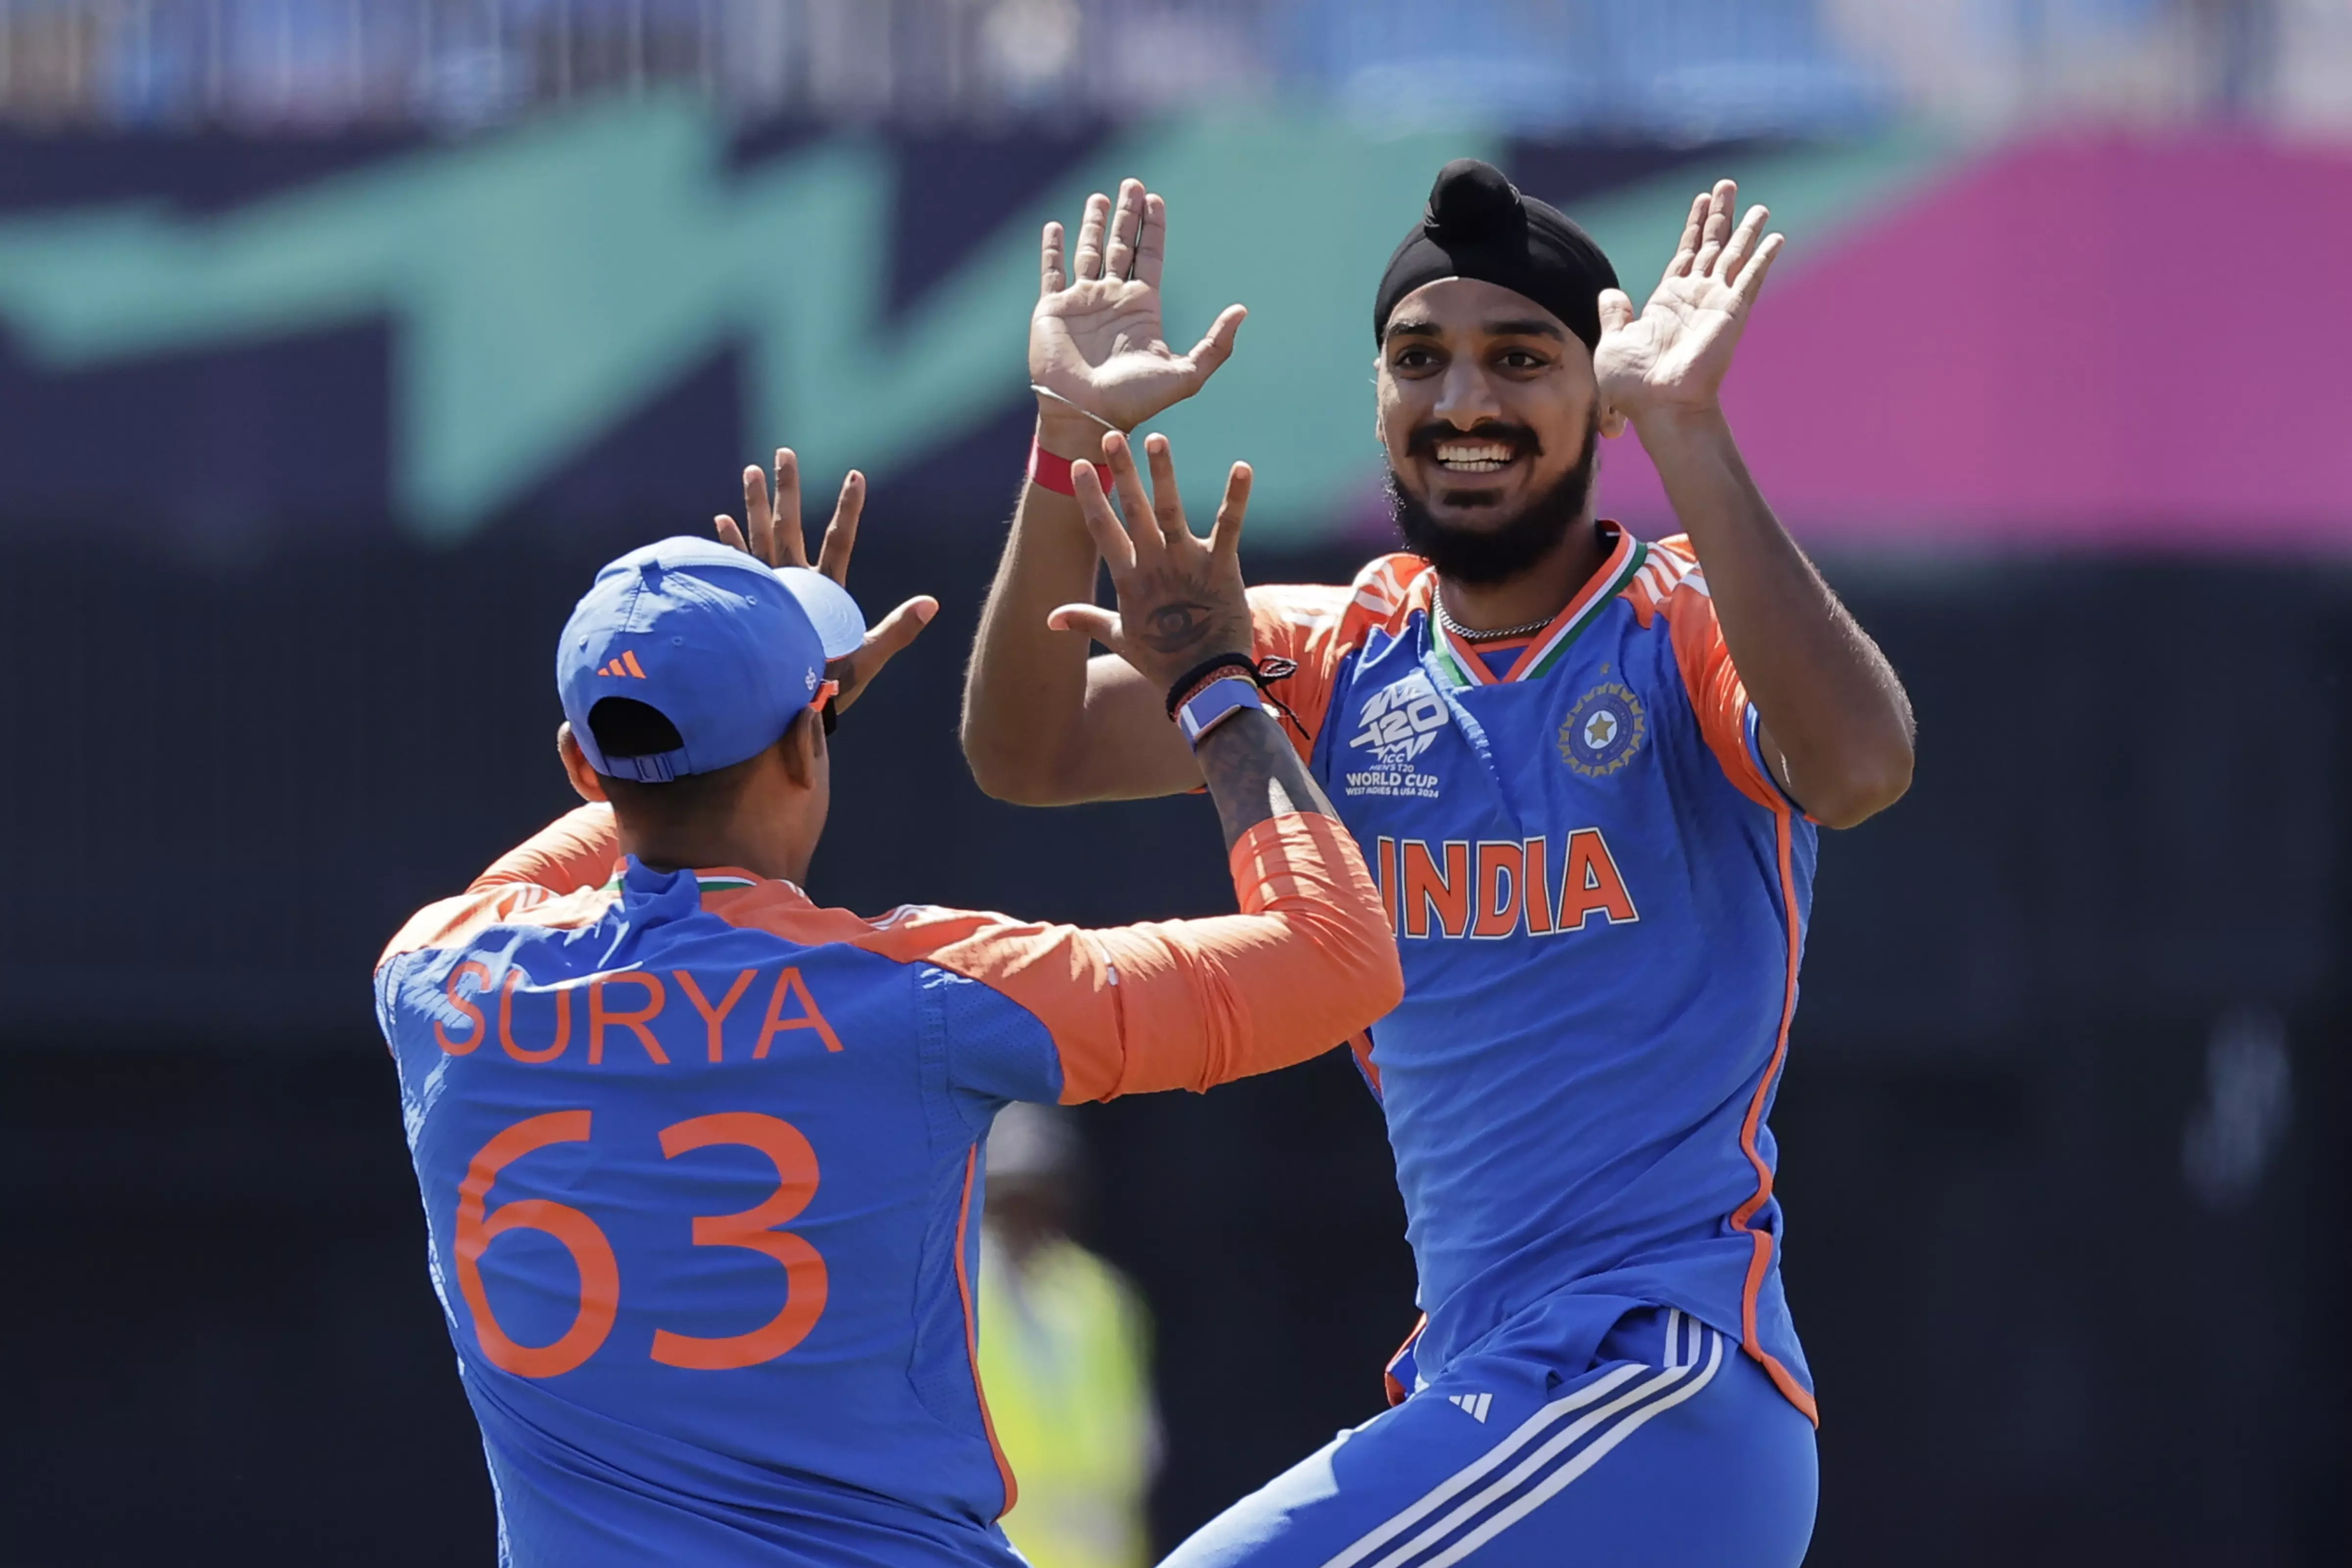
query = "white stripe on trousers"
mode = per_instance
[{"x": 1614, "y": 1422}]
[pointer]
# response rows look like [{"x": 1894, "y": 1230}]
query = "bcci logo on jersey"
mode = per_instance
[
  {"x": 1399, "y": 722},
  {"x": 1603, "y": 730}
]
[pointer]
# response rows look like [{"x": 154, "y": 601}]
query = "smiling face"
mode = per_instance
[{"x": 1488, "y": 411}]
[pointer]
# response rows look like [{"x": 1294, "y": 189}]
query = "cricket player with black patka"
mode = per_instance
[{"x": 1587, "y": 770}]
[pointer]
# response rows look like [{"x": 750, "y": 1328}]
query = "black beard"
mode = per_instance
[{"x": 1477, "y": 557}]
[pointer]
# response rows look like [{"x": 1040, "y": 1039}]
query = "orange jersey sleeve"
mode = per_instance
[
  {"x": 1672, "y": 583},
  {"x": 1318, "y": 626},
  {"x": 555, "y": 877},
  {"x": 1181, "y": 1003},
  {"x": 1301, "y": 624},
  {"x": 577, "y": 850}
]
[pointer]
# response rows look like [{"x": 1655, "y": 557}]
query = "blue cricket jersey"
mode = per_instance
[
  {"x": 1599, "y": 897},
  {"x": 701, "y": 1168}
]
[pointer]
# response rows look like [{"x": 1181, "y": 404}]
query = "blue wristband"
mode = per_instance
[{"x": 1215, "y": 703}]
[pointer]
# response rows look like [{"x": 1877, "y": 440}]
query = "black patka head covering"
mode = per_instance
[{"x": 1478, "y": 225}]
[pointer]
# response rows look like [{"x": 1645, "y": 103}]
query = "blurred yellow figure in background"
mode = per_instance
[{"x": 1066, "y": 1357}]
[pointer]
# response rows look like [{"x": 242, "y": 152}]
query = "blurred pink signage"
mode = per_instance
[{"x": 2075, "y": 342}]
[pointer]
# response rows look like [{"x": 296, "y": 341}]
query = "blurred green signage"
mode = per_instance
[{"x": 545, "y": 283}]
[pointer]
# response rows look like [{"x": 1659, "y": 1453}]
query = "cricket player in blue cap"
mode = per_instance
[{"x": 699, "y": 1157}]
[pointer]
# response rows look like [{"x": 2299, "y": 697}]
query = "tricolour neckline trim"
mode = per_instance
[{"x": 1460, "y": 660}]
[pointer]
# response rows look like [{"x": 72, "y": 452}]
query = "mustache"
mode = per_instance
[
  {"x": 1498, "y": 549},
  {"x": 1521, "y": 439}
]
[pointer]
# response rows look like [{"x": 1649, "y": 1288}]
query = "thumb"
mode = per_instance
[
  {"x": 901, "y": 626},
  {"x": 1616, "y": 311},
  {"x": 1091, "y": 619},
  {"x": 1217, "y": 347}
]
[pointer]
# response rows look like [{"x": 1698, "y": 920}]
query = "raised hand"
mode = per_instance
[
  {"x": 1095, "y": 339},
  {"x": 774, "y": 537},
  {"x": 1672, "y": 358},
  {"x": 1181, "y": 599}
]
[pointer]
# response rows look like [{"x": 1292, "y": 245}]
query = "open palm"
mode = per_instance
[
  {"x": 1095, "y": 339},
  {"x": 772, "y": 531},
  {"x": 1674, "y": 354}
]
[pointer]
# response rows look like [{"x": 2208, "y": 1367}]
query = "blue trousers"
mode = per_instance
[{"x": 1670, "y": 1449}]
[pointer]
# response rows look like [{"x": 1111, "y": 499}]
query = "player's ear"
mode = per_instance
[
  {"x": 802, "y": 748},
  {"x": 1611, "y": 421},
  {"x": 585, "y": 782}
]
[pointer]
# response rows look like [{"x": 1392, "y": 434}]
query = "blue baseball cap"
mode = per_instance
[{"x": 725, "y": 648}]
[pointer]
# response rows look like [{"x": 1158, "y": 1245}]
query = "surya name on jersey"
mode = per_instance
[
  {"x": 626, "y": 1002},
  {"x": 1493, "y": 889}
]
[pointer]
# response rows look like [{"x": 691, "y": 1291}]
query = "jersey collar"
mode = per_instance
[
  {"x": 708, "y": 879},
  {"x": 1465, "y": 668}
]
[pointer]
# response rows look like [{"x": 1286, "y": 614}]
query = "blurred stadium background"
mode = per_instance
[{"x": 339, "y": 339}]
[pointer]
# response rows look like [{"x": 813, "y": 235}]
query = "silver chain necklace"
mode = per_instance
[{"x": 1437, "y": 603}]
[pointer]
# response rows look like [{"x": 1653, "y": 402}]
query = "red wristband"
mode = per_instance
[{"x": 1048, "y": 472}]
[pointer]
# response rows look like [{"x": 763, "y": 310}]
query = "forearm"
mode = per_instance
[
  {"x": 1024, "y": 691},
  {"x": 1255, "y": 773},
  {"x": 1829, "y": 702}
]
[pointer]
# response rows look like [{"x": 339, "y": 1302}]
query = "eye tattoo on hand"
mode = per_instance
[{"x": 1173, "y": 627}]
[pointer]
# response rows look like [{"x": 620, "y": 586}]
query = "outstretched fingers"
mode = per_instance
[
  {"x": 1143, "y": 522},
  {"x": 1167, "y": 504},
  {"x": 1151, "y": 244},
  {"x": 1693, "y": 227},
  {"x": 1718, "y": 226},
  {"x": 901, "y": 626},
  {"x": 1102, "y": 523},
  {"x": 883, "y": 643},
  {"x": 1750, "y": 282},
  {"x": 1090, "y": 237},
  {"x": 841, "y": 534},
  {"x": 759, "y": 518},
  {"x": 776, "y": 530},
  {"x": 1126, "y": 232},
  {"x": 1053, "y": 275},
  {"x": 1217, "y": 346},
  {"x": 1118, "y": 553},
  {"x": 855, "y": 672},
  {"x": 759, "y": 527},
  {"x": 1742, "y": 244},
  {"x": 1100, "y": 624},
  {"x": 1225, "y": 539}
]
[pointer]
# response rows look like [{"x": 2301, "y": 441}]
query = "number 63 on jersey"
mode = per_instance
[{"x": 804, "y": 1283}]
